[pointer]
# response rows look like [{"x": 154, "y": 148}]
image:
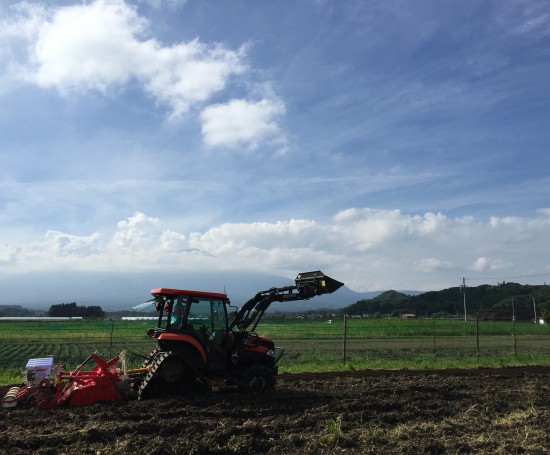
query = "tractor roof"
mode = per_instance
[{"x": 183, "y": 292}]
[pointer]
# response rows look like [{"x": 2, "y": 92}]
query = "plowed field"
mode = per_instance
[{"x": 466, "y": 411}]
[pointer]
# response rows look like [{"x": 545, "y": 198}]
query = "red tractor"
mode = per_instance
[{"x": 198, "y": 344}]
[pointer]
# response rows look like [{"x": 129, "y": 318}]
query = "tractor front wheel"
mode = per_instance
[{"x": 257, "y": 378}]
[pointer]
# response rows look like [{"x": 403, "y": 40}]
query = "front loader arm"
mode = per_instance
[{"x": 308, "y": 285}]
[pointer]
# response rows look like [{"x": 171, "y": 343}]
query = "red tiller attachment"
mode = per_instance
[
  {"x": 73, "y": 388},
  {"x": 81, "y": 388}
]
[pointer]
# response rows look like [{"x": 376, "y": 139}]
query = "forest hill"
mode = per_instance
[{"x": 486, "y": 301}]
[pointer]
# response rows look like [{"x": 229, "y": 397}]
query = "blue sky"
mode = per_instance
[{"x": 392, "y": 144}]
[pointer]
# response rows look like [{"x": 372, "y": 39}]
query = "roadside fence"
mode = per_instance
[{"x": 340, "y": 339}]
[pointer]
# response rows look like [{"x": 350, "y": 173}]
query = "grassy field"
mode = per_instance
[{"x": 310, "y": 345}]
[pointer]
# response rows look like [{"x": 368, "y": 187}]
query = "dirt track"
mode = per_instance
[{"x": 474, "y": 411}]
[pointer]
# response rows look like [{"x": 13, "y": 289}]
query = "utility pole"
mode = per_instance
[
  {"x": 535, "y": 310},
  {"x": 464, "y": 294}
]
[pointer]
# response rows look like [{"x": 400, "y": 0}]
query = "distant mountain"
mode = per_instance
[
  {"x": 15, "y": 311},
  {"x": 114, "y": 291},
  {"x": 392, "y": 296},
  {"x": 122, "y": 291},
  {"x": 504, "y": 300},
  {"x": 339, "y": 299},
  {"x": 384, "y": 303}
]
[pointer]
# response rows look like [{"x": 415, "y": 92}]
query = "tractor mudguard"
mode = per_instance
[
  {"x": 192, "y": 357},
  {"x": 181, "y": 342}
]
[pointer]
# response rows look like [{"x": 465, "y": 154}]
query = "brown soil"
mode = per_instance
[{"x": 465, "y": 411}]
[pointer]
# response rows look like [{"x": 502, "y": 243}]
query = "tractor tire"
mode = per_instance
[
  {"x": 257, "y": 379},
  {"x": 146, "y": 362},
  {"x": 150, "y": 358},
  {"x": 167, "y": 377},
  {"x": 170, "y": 376}
]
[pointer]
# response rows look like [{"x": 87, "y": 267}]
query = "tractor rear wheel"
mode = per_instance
[
  {"x": 171, "y": 369},
  {"x": 167, "y": 377}
]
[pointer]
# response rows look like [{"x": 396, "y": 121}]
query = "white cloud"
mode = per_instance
[
  {"x": 242, "y": 122},
  {"x": 531, "y": 20},
  {"x": 429, "y": 265},
  {"x": 191, "y": 73},
  {"x": 60, "y": 244},
  {"x": 172, "y": 241},
  {"x": 368, "y": 249},
  {"x": 90, "y": 46},
  {"x": 235, "y": 237},
  {"x": 8, "y": 253},
  {"x": 484, "y": 264},
  {"x": 136, "y": 233},
  {"x": 103, "y": 45},
  {"x": 164, "y": 3},
  {"x": 369, "y": 228}
]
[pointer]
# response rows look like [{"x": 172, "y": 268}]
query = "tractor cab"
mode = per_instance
[{"x": 192, "y": 318}]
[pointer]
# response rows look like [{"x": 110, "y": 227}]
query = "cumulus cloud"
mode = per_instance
[
  {"x": 104, "y": 44},
  {"x": 172, "y": 241},
  {"x": 8, "y": 253},
  {"x": 368, "y": 228},
  {"x": 135, "y": 233},
  {"x": 368, "y": 249},
  {"x": 61, "y": 244},
  {"x": 89, "y": 46},
  {"x": 237, "y": 237},
  {"x": 242, "y": 122}
]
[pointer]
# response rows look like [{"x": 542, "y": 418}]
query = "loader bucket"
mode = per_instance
[{"x": 316, "y": 283}]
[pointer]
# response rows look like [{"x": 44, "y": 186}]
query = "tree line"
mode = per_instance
[
  {"x": 15, "y": 311},
  {"x": 73, "y": 310},
  {"x": 485, "y": 301}
]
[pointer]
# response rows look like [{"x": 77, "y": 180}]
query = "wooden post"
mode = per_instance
[
  {"x": 433, "y": 330},
  {"x": 477, "y": 336},
  {"x": 345, "y": 337},
  {"x": 515, "y": 341},
  {"x": 111, "y": 344}
]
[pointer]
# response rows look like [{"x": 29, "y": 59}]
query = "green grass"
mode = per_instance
[
  {"x": 326, "y": 363},
  {"x": 71, "y": 330},
  {"x": 11, "y": 376},
  {"x": 310, "y": 345},
  {"x": 279, "y": 328},
  {"x": 382, "y": 328}
]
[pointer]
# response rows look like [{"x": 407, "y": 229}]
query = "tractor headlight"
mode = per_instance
[{"x": 270, "y": 353}]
